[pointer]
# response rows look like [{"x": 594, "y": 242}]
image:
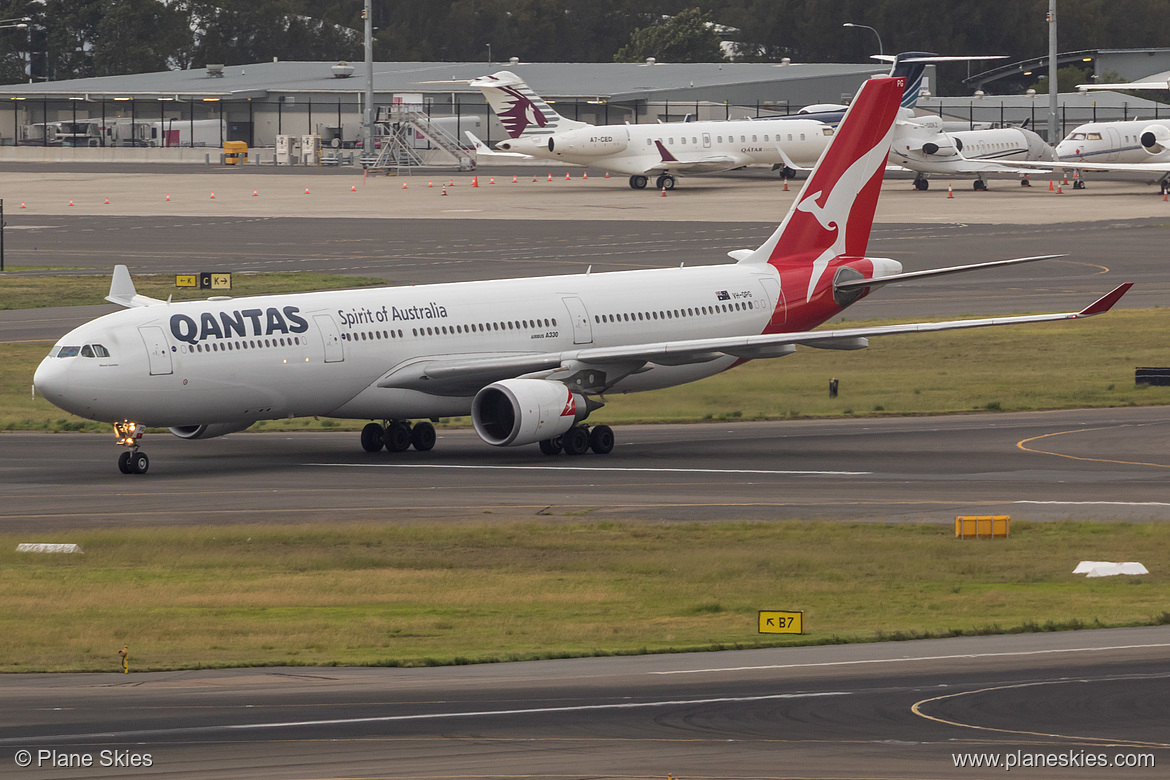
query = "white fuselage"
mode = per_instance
[
  {"x": 241, "y": 360},
  {"x": 1116, "y": 142},
  {"x": 699, "y": 147},
  {"x": 920, "y": 144}
]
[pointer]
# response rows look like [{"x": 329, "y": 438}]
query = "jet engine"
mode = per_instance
[
  {"x": 942, "y": 146},
  {"x": 589, "y": 141},
  {"x": 1156, "y": 139},
  {"x": 209, "y": 431},
  {"x": 522, "y": 411}
]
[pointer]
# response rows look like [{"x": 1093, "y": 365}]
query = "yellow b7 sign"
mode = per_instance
[{"x": 780, "y": 622}]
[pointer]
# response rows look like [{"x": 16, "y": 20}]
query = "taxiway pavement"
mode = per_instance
[{"x": 886, "y": 710}]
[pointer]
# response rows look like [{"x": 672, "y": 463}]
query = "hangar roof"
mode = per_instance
[{"x": 612, "y": 81}]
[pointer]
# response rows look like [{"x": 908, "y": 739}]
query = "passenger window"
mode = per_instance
[
  {"x": 826, "y": 131},
  {"x": 754, "y": 139}
]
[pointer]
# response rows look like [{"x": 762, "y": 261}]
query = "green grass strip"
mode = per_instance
[{"x": 495, "y": 590}]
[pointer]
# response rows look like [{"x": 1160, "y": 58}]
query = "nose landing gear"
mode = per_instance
[{"x": 133, "y": 461}]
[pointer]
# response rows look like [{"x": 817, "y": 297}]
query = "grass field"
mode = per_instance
[
  {"x": 1048, "y": 366},
  {"x": 489, "y": 590}
]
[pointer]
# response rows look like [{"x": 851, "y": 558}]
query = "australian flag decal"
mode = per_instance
[{"x": 723, "y": 295}]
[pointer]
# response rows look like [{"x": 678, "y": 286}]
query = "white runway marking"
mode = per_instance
[
  {"x": 632, "y": 470},
  {"x": 912, "y": 659},
  {"x": 142, "y": 733},
  {"x": 1096, "y": 503}
]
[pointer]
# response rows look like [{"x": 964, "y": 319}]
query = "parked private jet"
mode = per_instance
[{"x": 528, "y": 359}]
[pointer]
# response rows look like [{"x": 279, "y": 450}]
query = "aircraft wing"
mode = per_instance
[
  {"x": 595, "y": 368},
  {"x": 700, "y": 163},
  {"x": 1150, "y": 167}
]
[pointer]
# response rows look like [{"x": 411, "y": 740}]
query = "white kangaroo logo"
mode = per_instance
[{"x": 834, "y": 215}]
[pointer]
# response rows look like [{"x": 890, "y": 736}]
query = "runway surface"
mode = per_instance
[
  {"x": 889, "y": 710},
  {"x": 1100, "y": 256},
  {"x": 1086, "y": 464}
]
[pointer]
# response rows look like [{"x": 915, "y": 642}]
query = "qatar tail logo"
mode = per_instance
[
  {"x": 521, "y": 113},
  {"x": 570, "y": 409}
]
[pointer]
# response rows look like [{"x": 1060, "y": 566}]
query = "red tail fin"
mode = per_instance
[{"x": 833, "y": 213}]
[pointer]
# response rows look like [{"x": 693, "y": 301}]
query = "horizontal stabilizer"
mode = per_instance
[{"x": 853, "y": 284}]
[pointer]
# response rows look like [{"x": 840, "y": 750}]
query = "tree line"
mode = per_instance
[{"x": 80, "y": 38}]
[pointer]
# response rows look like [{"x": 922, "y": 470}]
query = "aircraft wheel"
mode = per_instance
[
  {"x": 551, "y": 446},
  {"x": 979, "y": 185},
  {"x": 423, "y": 436},
  {"x": 372, "y": 437},
  {"x": 397, "y": 437},
  {"x": 638, "y": 182},
  {"x": 124, "y": 462},
  {"x": 922, "y": 184},
  {"x": 601, "y": 439},
  {"x": 139, "y": 463},
  {"x": 664, "y": 182},
  {"x": 1079, "y": 184},
  {"x": 576, "y": 440}
]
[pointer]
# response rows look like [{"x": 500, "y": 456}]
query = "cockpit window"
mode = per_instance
[
  {"x": 1076, "y": 137},
  {"x": 65, "y": 352},
  {"x": 100, "y": 351},
  {"x": 87, "y": 351},
  {"x": 1094, "y": 136}
]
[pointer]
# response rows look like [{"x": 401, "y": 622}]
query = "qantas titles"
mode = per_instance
[{"x": 262, "y": 322}]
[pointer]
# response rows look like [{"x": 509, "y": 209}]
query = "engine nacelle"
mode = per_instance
[
  {"x": 523, "y": 411},
  {"x": 589, "y": 142},
  {"x": 942, "y": 146},
  {"x": 1156, "y": 139},
  {"x": 209, "y": 431}
]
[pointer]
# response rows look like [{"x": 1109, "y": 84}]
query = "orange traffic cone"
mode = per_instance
[
  {"x": 353, "y": 188},
  {"x": 585, "y": 175},
  {"x": 474, "y": 181},
  {"x": 22, "y": 204},
  {"x": 550, "y": 177},
  {"x": 70, "y": 202},
  {"x": 534, "y": 177},
  {"x": 950, "y": 192},
  {"x": 1051, "y": 187},
  {"x": 107, "y": 201},
  {"x": 664, "y": 192},
  {"x": 255, "y": 193},
  {"x": 786, "y": 185},
  {"x": 444, "y": 189},
  {"x": 607, "y": 174},
  {"x": 169, "y": 197},
  {"x": 212, "y": 196},
  {"x": 492, "y": 180},
  {"x": 430, "y": 183},
  {"x": 567, "y": 176},
  {"x": 306, "y": 190},
  {"x": 513, "y": 179},
  {"x": 1066, "y": 177},
  {"x": 1059, "y": 189},
  {"x": 1164, "y": 198},
  {"x": 403, "y": 185},
  {"x": 451, "y": 183}
]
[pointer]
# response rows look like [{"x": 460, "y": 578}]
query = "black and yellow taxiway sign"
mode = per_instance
[
  {"x": 221, "y": 281},
  {"x": 781, "y": 622},
  {"x": 186, "y": 280}
]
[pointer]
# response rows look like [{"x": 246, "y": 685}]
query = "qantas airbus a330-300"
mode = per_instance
[{"x": 528, "y": 359}]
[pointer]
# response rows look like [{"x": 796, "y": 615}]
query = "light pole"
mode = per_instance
[
  {"x": 867, "y": 27},
  {"x": 489, "y": 48},
  {"x": 20, "y": 23}
]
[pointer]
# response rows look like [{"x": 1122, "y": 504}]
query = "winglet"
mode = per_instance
[
  {"x": 1105, "y": 302},
  {"x": 666, "y": 155},
  {"x": 122, "y": 290}
]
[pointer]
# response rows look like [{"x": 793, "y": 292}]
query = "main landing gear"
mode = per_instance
[
  {"x": 133, "y": 461},
  {"x": 921, "y": 183},
  {"x": 979, "y": 185},
  {"x": 580, "y": 439},
  {"x": 398, "y": 435},
  {"x": 638, "y": 182},
  {"x": 664, "y": 182}
]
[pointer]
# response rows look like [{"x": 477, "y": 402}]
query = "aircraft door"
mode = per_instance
[
  {"x": 582, "y": 330},
  {"x": 330, "y": 338},
  {"x": 157, "y": 349},
  {"x": 706, "y": 140},
  {"x": 774, "y": 295},
  {"x": 1114, "y": 140}
]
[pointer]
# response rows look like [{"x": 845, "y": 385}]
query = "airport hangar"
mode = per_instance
[{"x": 262, "y": 100}]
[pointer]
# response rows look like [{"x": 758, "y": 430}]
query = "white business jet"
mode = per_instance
[
  {"x": 528, "y": 359},
  {"x": 665, "y": 151}
]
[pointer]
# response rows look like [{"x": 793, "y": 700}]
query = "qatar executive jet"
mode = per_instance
[{"x": 528, "y": 359}]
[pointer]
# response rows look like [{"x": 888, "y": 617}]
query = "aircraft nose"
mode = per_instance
[{"x": 50, "y": 381}]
